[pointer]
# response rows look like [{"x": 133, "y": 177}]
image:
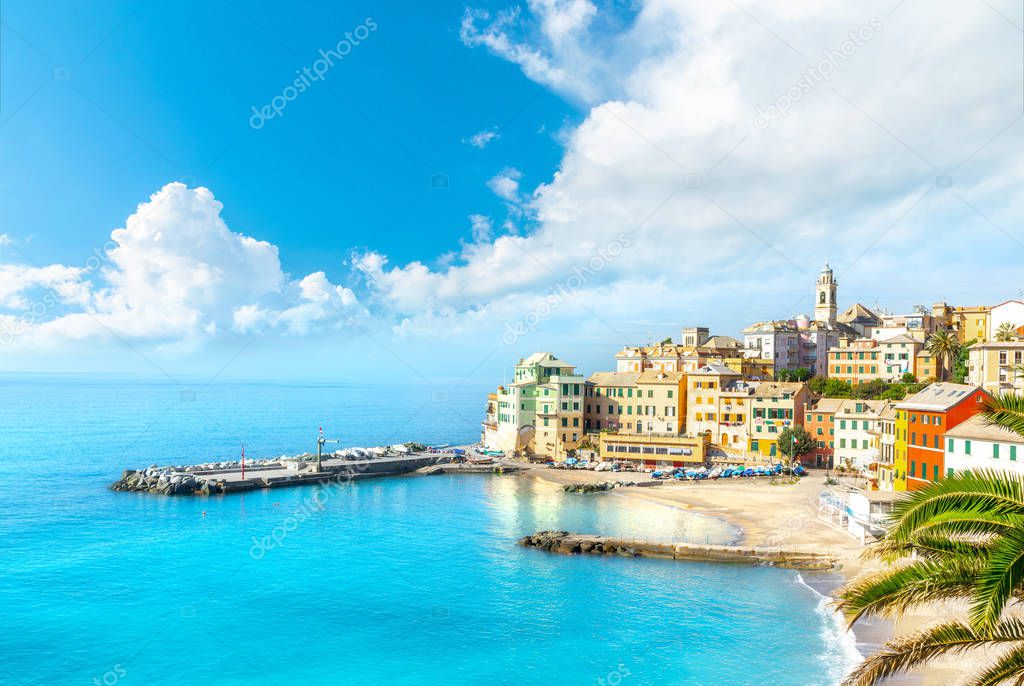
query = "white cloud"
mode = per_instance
[
  {"x": 482, "y": 138},
  {"x": 174, "y": 273},
  {"x": 506, "y": 184},
  {"x": 669, "y": 153}
]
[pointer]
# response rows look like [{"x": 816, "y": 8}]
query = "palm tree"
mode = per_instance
[
  {"x": 966, "y": 535},
  {"x": 1006, "y": 332},
  {"x": 944, "y": 346}
]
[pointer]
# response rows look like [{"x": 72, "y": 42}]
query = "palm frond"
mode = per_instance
[
  {"x": 906, "y": 653},
  {"x": 1005, "y": 410},
  {"x": 893, "y": 592},
  {"x": 1009, "y": 666},
  {"x": 987, "y": 492},
  {"x": 1003, "y": 575}
]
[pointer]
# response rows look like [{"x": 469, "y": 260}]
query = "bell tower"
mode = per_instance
[{"x": 825, "y": 297}]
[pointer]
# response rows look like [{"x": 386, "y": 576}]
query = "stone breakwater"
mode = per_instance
[
  {"x": 227, "y": 477},
  {"x": 601, "y": 486},
  {"x": 567, "y": 543}
]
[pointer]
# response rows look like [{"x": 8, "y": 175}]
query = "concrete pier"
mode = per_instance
[
  {"x": 568, "y": 543},
  {"x": 206, "y": 480}
]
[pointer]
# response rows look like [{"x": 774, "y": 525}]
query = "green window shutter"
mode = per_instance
[
  {"x": 995, "y": 451},
  {"x": 967, "y": 447},
  {"x": 949, "y": 445},
  {"x": 1013, "y": 453}
]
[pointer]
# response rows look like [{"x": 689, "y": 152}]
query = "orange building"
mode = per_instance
[
  {"x": 819, "y": 422},
  {"x": 930, "y": 413}
]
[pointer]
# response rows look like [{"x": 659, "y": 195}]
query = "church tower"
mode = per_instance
[{"x": 825, "y": 297}]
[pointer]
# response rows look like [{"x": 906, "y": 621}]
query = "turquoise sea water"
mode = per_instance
[{"x": 392, "y": 581}]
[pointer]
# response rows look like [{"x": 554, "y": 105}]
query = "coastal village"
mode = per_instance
[{"x": 888, "y": 398}]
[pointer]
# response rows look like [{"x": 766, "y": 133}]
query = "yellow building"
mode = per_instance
[
  {"x": 661, "y": 402},
  {"x": 751, "y": 368},
  {"x": 704, "y": 389},
  {"x": 971, "y": 323},
  {"x": 610, "y": 401},
  {"x": 654, "y": 451},
  {"x": 899, "y": 460},
  {"x": 995, "y": 366},
  {"x": 927, "y": 367}
]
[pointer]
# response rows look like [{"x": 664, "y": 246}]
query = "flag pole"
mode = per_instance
[{"x": 243, "y": 461}]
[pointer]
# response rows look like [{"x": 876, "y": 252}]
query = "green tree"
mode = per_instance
[
  {"x": 794, "y": 441},
  {"x": 800, "y": 374},
  {"x": 782, "y": 375},
  {"x": 667, "y": 341},
  {"x": 908, "y": 377},
  {"x": 896, "y": 391},
  {"x": 837, "y": 388},
  {"x": 944, "y": 346},
  {"x": 960, "y": 365}
]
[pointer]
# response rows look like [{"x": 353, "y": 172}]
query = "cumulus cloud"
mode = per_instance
[
  {"x": 175, "y": 272},
  {"x": 481, "y": 139},
  {"x": 505, "y": 184},
  {"x": 747, "y": 145}
]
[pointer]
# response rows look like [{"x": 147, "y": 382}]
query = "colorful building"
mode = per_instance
[
  {"x": 704, "y": 389},
  {"x": 997, "y": 366},
  {"x": 801, "y": 342},
  {"x": 975, "y": 445},
  {"x": 774, "y": 407},
  {"x": 971, "y": 323},
  {"x": 857, "y": 434},
  {"x": 900, "y": 461},
  {"x": 867, "y": 359},
  {"x": 654, "y": 451},
  {"x": 609, "y": 401},
  {"x": 819, "y": 422},
  {"x": 931, "y": 413},
  {"x": 540, "y": 412}
]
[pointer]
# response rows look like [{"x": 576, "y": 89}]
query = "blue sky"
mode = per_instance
[{"x": 608, "y": 172}]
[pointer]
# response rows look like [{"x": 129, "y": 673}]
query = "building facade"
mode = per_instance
[
  {"x": 974, "y": 446},
  {"x": 540, "y": 412},
  {"x": 774, "y": 406},
  {"x": 819, "y": 422},
  {"x": 997, "y": 366},
  {"x": 931, "y": 413}
]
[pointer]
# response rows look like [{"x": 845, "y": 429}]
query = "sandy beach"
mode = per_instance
[{"x": 785, "y": 515}]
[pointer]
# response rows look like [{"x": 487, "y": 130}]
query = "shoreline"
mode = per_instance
[{"x": 785, "y": 515}]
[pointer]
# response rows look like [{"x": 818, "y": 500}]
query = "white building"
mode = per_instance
[
  {"x": 972, "y": 446},
  {"x": 800, "y": 341},
  {"x": 858, "y": 428},
  {"x": 1010, "y": 312}
]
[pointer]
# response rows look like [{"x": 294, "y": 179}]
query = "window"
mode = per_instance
[
  {"x": 864, "y": 445},
  {"x": 995, "y": 451},
  {"x": 670, "y": 393},
  {"x": 967, "y": 447},
  {"x": 949, "y": 445},
  {"x": 842, "y": 442},
  {"x": 913, "y": 438},
  {"x": 913, "y": 468},
  {"x": 935, "y": 442},
  {"x": 1013, "y": 453},
  {"x": 935, "y": 473}
]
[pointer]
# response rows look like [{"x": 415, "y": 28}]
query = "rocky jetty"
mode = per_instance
[
  {"x": 166, "y": 481},
  {"x": 597, "y": 487},
  {"x": 567, "y": 543}
]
